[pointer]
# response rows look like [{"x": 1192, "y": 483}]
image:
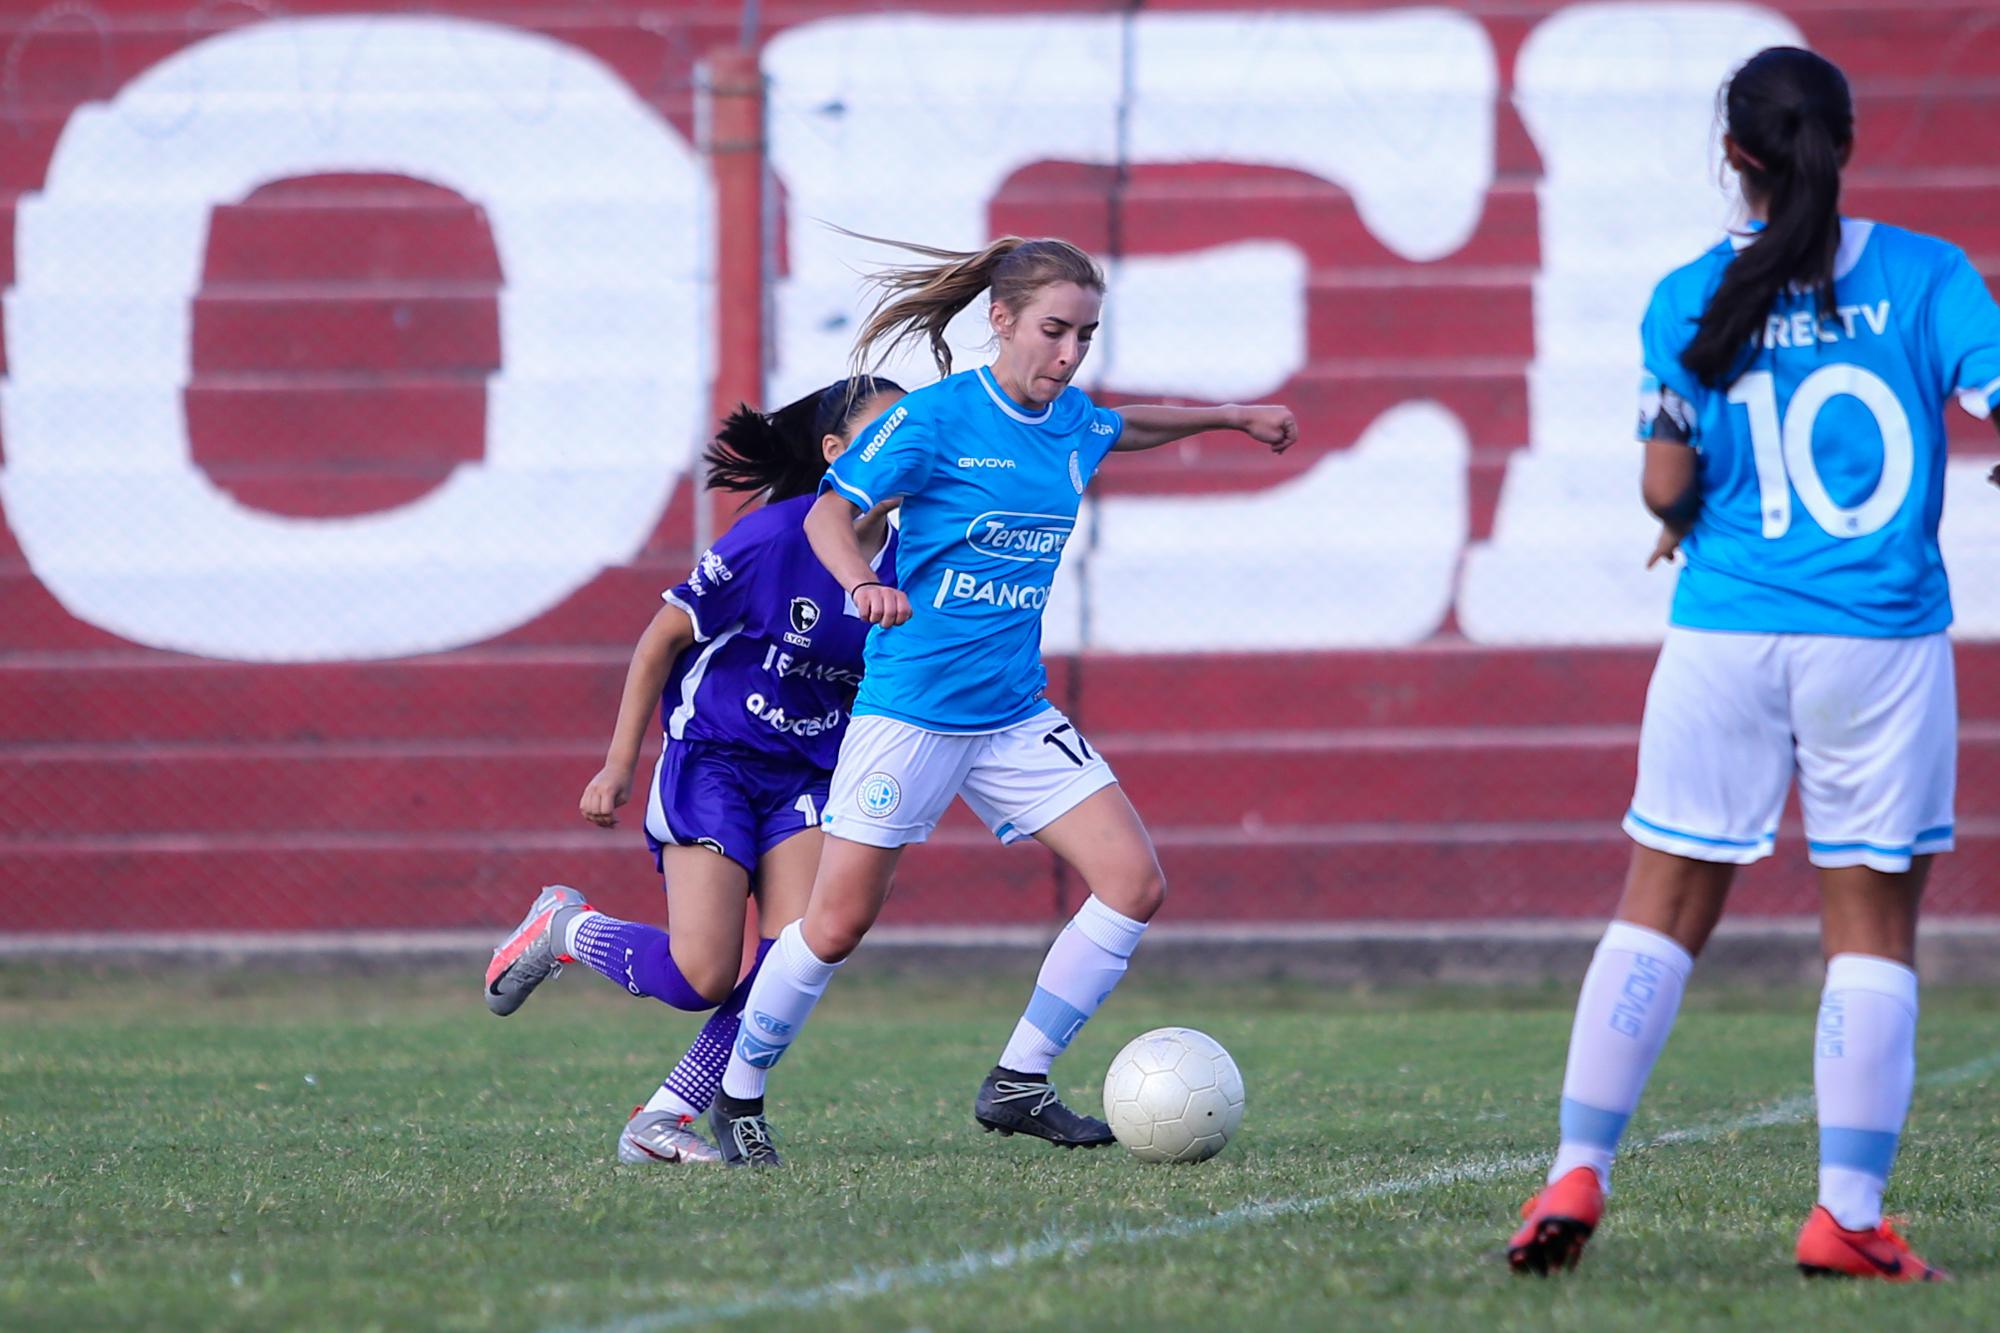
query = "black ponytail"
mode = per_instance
[
  {"x": 1792, "y": 118},
  {"x": 778, "y": 452}
]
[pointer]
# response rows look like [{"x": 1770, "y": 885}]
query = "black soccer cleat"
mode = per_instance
[
  {"x": 1011, "y": 1103},
  {"x": 741, "y": 1132}
]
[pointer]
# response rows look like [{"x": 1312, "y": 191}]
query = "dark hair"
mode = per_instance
[
  {"x": 779, "y": 452},
  {"x": 919, "y": 300},
  {"x": 1792, "y": 118}
]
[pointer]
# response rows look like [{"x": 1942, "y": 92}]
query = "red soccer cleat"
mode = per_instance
[
  {"x": 1827, "y": 1249},
  {"x": 1559, "y": 1220}
]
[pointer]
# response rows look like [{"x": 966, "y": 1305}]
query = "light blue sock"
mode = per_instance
[
  {"x": 1864, "y": 1067},
  {"x": 782, "y": 997},
  {"x": 1082, "y": 967},
  {"x": 1630, "y": 997}
]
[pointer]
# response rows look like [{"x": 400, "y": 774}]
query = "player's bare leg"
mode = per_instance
[
  {"x": 1864, "y": 1067},
  {"x": 849, "y": 891},
  {"x": 1675, "y": 896},
  {"x": 706, "y": 893},
  {"x": 1630, "y": 998},
  {"x": 851, "y": 885},
  {"x": 692, "y": 969},
  {"x": 1103, "y": 840},
  {"x": 1863, "y": 910}
]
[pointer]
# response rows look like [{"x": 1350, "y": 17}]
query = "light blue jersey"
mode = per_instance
[
  {"x": 990, "y": 491},
  {"x": 1822, "y": 466}
]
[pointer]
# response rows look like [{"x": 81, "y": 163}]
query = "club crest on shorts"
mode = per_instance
[
  {"x": 1076, "y": 472},
  {"x": 805, "y": 614},
  {"x": 879, "y": 796}
]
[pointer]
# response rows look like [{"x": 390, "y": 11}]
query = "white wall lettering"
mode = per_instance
[
  {"x": 600, "y": 213},
  {"x": 906, "y": 126},
  {"x": 1620, "y": 101}
]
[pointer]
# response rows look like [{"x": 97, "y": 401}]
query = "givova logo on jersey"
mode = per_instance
[{"x": 1028, "y": 538}]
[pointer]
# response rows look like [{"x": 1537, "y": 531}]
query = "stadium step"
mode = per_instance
[
  {"x": 1249, "y": 782},
  {"x": 346, "y": 229},
  {"x": 360, "y": 882},
  {"x": 572, "y": 694},
  {"x": 500, "y": 787}
]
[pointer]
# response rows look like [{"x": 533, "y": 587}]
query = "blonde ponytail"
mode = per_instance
[{"x": 918, "y": 301}]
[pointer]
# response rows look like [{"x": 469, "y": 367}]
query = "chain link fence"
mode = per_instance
[{"x": 355, "y": 364}]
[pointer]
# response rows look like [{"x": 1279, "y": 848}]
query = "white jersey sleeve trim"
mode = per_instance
[
  {"x": 850, "y": 492},
  {"x": 694, "y": 616},
  {"x": 1980, "y": 402}
]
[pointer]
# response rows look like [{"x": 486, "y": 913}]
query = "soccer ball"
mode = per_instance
[{"x": 1173, "y": 1095}]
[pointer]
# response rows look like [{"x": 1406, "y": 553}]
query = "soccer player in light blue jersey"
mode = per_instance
[
  {"x": 752, "y": 665},
  {"x": 1792, "y": 411},
  {"x": 992, "y": 465}
]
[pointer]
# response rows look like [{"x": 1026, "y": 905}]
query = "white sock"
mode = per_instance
[
  {"x": 782, "y": 997},
  {"x": 1631, "y": 995},
  {"x": 1082, "y": 967},
  {"x": 571, "y": 926},
  {"x": 1864, "y": 1064},
  {"x": 666, "y": 1099}
]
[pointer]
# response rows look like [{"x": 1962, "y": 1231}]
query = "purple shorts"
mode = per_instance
[{"x": 734, "y": 803}]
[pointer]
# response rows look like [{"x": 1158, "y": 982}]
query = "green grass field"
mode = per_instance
[{"x": 259, "y": 1152}]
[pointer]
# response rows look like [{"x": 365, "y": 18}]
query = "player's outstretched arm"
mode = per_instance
[
  {"x": 1148, "y": 426},
  {"x": 830, "y": 529},
  {"x": 669, "y": 633}
]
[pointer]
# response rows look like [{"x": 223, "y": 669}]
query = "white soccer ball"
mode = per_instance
[{"x": 1173, "y": 1095}]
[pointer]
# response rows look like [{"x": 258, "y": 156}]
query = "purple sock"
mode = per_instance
[
  {"x": 638, "y": 958},
  {"x": 699, "y": 1073}
]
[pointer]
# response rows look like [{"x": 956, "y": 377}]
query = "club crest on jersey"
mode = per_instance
[
  {"x": 879, "y": 796},
  {"x": 1076, "y": 472},
  {"x": 805, "y": 614},
  {"x": 1028, "y": 538}
]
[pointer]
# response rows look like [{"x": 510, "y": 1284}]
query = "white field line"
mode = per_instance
[{"x": 1465, "y": 1170}]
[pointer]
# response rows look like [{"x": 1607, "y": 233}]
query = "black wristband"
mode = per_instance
[{"x": 872, "y": 583}]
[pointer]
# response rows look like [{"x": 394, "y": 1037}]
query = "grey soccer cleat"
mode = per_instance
[
  {"x": 742, "y": 1133},
  {"x": 532, "y": 951},
  {"x": 1013, "y": 1103},
  {"x": 662, "y": 1136}
]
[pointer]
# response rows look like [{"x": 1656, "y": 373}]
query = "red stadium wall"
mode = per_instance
[{"x": 345, "y": 328}]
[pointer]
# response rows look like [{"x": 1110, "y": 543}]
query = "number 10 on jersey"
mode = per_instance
[{"x": 1784, "y": 452}]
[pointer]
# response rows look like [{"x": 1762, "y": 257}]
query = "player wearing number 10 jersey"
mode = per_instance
[{"x": 1792, "y": 405}]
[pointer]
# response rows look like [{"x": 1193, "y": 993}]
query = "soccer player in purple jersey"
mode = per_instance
[
  {"x": 992, "y": 464},
  {"x": 753, "y": 663}
]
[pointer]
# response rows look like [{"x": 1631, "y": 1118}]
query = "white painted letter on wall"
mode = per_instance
[{"x": 600, "y": 214}]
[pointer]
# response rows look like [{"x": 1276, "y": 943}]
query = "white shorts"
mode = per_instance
[
  {"x": 1869, "y": 725},
  {"x": 894, "y": 780}
]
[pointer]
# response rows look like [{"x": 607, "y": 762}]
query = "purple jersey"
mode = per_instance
[{"x": 777, "y": 651}]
